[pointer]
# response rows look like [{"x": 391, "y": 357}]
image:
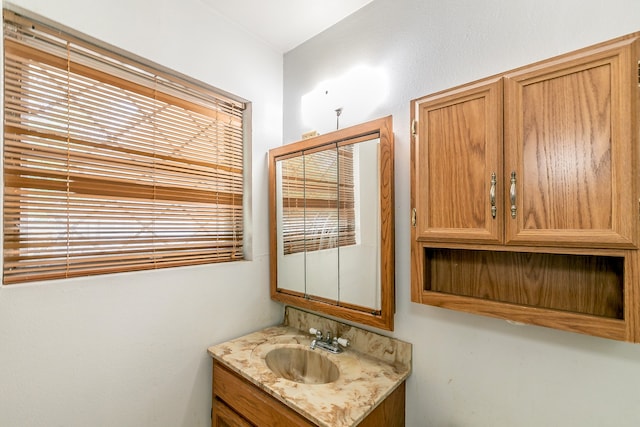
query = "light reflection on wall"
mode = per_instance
[{"x": 358, "y": 92}]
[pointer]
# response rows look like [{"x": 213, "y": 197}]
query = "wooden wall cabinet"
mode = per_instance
[{"x": 539, "y": 166}]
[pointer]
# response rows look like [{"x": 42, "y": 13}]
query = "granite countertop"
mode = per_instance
[{"x": 371, "y": 368}]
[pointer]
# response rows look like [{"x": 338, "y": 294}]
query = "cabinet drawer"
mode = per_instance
[{"x": 254, "y": 404}]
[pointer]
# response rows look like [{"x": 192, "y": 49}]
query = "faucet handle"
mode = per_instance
[
  {"x": 316, "y": 332},
  {"x": 343, "y": 342}
]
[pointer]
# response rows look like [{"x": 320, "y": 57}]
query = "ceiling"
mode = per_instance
[{"x": 284, "y": 24}]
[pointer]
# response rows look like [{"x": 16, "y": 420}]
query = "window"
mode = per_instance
[{"x": 110, "y": 164}]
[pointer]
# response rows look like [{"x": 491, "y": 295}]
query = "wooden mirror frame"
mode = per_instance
[{"x": 380, "y": 128}]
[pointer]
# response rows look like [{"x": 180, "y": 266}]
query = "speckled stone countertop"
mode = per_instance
[{"x": 371, "y": 368}]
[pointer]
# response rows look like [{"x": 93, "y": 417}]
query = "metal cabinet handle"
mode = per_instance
[
  {"x": 512, "y": 194},
  {"x": 492, "y": 195}
]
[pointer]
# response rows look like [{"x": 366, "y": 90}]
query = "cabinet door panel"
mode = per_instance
[
  {"x": 568, "y": 137},
  {"x": 256, "y": 406},
  {"x": 223, "y": 416},
  {"x": 458, "y": 148}
]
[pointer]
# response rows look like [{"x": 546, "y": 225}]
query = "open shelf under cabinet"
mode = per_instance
[{"x": 576, "y": 292}]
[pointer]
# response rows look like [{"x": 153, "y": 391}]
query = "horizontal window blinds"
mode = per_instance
[
  {"x": 111, "y": 166},
  {"x": 318, "y": 200}
]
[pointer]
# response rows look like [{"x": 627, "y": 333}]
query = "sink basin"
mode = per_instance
[{"x": 302, "y": 365}]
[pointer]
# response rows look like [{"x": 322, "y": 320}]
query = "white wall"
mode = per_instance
[
  {"x": 471, "y": 370},
  {"x": 130, "y": 349}
]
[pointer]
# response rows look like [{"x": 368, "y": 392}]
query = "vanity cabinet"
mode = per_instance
[
  {"x": 525, "y": 193},
  {"x": 239, "y": 403}
]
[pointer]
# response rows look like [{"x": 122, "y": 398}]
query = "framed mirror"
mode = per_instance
[{"x": 331, "y": 224}]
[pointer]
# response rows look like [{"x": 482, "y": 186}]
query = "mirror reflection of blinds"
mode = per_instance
[
  {"x": 318, "y": 200},
  {"x": 110, "y": 165}
]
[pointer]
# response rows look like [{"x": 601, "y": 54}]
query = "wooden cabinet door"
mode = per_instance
[
  {"x": 570, "y": 137},
  {"x": 223, "y": 416},
  {"x": 457, "y": 151},
  {"x": 256, "y": 406}
]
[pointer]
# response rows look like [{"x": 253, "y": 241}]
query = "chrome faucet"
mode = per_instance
[{"x": 326, "y": 342}]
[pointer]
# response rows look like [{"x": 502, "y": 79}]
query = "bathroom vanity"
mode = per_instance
[{"x": 256, "y": 380}]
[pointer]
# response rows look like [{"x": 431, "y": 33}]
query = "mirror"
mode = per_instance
[{"x": 331, "y": 223}]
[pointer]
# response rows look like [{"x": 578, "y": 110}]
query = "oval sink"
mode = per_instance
[{"x": 302, "y": 365}]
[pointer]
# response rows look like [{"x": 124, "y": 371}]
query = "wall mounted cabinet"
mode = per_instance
[
  {"x": 331, "y": 226},
  {"x": 525, "y": 193}
]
